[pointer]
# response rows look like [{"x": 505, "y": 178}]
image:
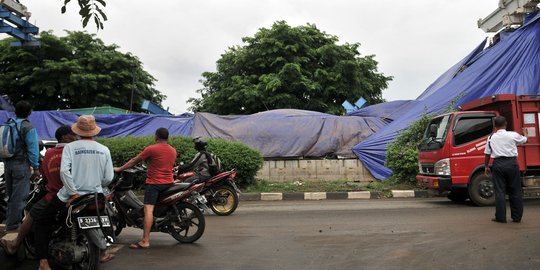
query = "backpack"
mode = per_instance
[
  {"x": 9, "y": 138},
  {"x": 214, "y": 163}
]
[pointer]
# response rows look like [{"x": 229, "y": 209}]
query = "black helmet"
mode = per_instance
[{"x": 199, "y": 144}]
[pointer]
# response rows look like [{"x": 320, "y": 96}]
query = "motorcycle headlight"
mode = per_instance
[{"x": 442, "y": 167}]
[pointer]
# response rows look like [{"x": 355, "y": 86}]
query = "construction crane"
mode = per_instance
[
  {"x": 12, "y": 23},
  {"x": 509, "y": 13}
]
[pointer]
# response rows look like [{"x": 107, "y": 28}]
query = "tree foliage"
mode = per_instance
[
  {"x": 74, "y": 71},
  {"x": 90, "y": 9},
  {"x": 290, "y": 67}
]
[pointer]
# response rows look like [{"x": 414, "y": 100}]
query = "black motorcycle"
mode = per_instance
[
  {"x": 174, "y": 213},
  {"x": 78, "y": 234}
]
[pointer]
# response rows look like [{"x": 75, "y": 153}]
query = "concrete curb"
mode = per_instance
[{"x": 352, "y": 195}]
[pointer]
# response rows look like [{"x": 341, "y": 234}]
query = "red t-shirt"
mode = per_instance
[
  {"x": 51, "y": 170},
  {"x": 160, "y": 158}
]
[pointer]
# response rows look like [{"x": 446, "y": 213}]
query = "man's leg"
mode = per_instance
[
  {"x": 148, "y": 222},
  {"x": 515, "y": 191},
  {"x": 46, "y": 222},
  {"x": 500, "y": 190},
  {"x": 19, "y": 176}
]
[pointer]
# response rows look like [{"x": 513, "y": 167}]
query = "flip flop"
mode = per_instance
[
  {"x": 107, "y": 258},
  {"x": 138, "y": 246}
]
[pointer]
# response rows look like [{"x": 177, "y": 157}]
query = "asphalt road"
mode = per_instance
[{"x": 374, "y": 234}]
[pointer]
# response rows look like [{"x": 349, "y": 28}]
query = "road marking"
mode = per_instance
[
  {"x": 315, "y": 196},
  {"x": 359, "y": 195},
  {"x": 271, "y": 196},
  {"x": 403, "y": 193}
]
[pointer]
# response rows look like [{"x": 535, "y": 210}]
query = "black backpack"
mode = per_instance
[{"x": 214, "y": 163}]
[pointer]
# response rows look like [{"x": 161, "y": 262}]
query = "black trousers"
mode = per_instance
[
  {"x": 506, "y": 178},
  {"x": 44, "y": 224}
]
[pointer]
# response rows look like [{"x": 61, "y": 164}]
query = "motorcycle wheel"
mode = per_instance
[
  {"x": 192, "y": 220},
  {"x": 224, "y": 202},
  {"x": 91, "y": 260}
]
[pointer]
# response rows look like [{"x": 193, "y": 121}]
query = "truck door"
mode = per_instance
[{"x": 469, "y": 136}]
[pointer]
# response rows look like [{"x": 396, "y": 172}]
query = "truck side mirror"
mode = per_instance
[{"x": 433, "y": 130}]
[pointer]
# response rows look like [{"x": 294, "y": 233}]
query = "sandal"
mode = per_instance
[
  {"x": 138, "y": 246},
  {"x": 107, "y": 258}
]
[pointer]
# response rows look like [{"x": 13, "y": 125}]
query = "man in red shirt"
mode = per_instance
[
  {"x": 160, "y": 158},
  {"x": 50, "y": 167}
]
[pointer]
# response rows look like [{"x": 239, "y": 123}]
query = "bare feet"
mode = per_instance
[
  {"x": 44, "y": 265},
  {"x": 8, "y": 246}
]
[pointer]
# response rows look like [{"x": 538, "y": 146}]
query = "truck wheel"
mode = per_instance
[
  {"x": 458, "y": 195},
  {"x": 481, "y": 190}
]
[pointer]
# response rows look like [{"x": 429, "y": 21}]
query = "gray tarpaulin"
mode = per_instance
[{"x": 290, "y": 133}]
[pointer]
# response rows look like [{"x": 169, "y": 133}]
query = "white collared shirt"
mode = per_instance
[{"x": 503, "y": 144}]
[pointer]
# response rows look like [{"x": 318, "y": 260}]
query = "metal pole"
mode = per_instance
[{"x": 132, "y": 90}]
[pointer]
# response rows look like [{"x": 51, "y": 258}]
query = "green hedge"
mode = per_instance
[{"x": 241, "y": 157}]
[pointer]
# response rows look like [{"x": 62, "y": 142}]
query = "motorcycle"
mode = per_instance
[
  {"x": 78, "y": 234},
  {"x": 174, "y": 213},
  {"x": 220, "y": 191}
]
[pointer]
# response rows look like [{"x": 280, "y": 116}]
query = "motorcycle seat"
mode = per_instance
[{"x": 174, "y": 189}]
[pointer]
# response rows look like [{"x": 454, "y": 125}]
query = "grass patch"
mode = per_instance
[
  {"x": 261, "y": 186},
  {"x": 385, "y": 188}
]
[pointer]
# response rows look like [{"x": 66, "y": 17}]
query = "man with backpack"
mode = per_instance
[
  {"x": 204, "y": 164},
  {"x": 19, "y": 150}
]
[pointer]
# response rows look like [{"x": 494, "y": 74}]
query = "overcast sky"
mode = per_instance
[{"x": 414, "y": 41}]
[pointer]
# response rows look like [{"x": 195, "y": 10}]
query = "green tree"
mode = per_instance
[
  {"x": 74, "y": 71},
  {"x": 289, "y": 67}
]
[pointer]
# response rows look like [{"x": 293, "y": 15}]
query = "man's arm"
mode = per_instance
[
  {"x": 132, "y": 162},
  {"x": 519, "y": 138},
  {"x": 109, "y": 173},
  {"x": 486, "y": 164},
  {"x": 65, "y": 172},
  {"x": 32, "y": 149}
]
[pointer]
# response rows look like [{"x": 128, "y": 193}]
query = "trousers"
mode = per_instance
[
  {"x": 17, "y": 176},
  {"x": 507, "y": 179}
]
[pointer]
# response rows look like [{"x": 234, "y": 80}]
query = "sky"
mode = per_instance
[{"x": 177, "y": 40}]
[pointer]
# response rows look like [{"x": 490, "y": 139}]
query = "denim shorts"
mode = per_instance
[{"x": 152, "y": 192}]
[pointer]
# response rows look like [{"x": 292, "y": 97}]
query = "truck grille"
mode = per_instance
[{"x": 428, "y": 169}]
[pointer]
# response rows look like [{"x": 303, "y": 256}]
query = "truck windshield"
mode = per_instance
[{"x": 435, "y": 134}]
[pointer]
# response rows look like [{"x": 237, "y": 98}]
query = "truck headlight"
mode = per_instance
[{"x": 442, "y": 167}]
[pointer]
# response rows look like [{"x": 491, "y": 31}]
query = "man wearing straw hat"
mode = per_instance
[{"x": 85, "y": 168}]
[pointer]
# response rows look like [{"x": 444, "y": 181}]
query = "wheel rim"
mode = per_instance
[
  {"x": 189, "y": 225},
  {"x": 486, "y": 189},
  {"x": 223, "y": 201}
]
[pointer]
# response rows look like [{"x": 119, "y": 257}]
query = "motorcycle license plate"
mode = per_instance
[{"x": 92, "y": 222}]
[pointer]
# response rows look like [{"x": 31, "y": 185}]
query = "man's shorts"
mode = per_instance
[
  {"x": 38, "y": 208},
  {"x": 152, "y": 192}
]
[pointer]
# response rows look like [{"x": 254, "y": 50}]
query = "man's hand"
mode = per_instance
[
  {"x": 117, "y": 169},
  {"x": 35, "y": 175},
  {"x": 525, "y": 132},
  {"x": 487, "y": 171},
  {"x": 73, "y": 197}
]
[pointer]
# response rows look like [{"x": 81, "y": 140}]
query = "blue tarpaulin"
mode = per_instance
[
  {"x": 511, "y": 66},
  {"x": 120, "y": 125},
  {"x": 290, "y": 133}
]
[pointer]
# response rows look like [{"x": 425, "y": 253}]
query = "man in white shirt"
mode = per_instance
[
  {"x": 502, "y": 147},
  {"x": 85, "y": 168}
]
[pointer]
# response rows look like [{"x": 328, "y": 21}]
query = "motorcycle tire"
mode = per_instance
[
  {"x": 92, "y": 259},
  {"x": 224, "y": 202},
  {"x": 191, "y": 217}
]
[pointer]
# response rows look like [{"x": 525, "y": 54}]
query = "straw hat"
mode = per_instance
[{"x": 86, "y": 126}]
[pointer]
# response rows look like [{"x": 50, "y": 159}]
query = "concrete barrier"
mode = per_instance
[
  {"x": 403, "y": 193},
  {"x": 311, "y": 169}
]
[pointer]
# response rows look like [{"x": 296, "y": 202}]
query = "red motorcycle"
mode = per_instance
[{"x": 220, "y": 191}]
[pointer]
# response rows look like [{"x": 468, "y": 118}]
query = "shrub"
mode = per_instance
[
  {"x": 241, "y": 157},
  {"x": 402, "y": 154}
]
